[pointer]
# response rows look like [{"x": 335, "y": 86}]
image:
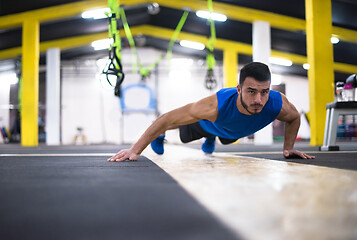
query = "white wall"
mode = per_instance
[
  {"x": 297, "y": 92},
  {"x": 86, "y": 104}
]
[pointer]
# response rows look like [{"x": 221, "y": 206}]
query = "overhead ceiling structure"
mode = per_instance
[{"x": 63, "y": 26}]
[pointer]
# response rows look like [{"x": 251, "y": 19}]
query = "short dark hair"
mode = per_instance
[{"x": 256, "y": 70}]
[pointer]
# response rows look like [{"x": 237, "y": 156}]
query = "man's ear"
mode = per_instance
[{"x": 239, "y": 89}]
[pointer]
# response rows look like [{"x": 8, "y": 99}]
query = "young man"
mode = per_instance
[{"x": 230, "y": 114}]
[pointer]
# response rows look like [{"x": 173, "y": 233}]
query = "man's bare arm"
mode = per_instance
[
  {"x": 190, "y": 113},
  {"x": 291, "y": 117}
]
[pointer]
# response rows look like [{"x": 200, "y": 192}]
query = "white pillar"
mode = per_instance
[
  {"x": 261, "y": 53},
  {"x": 53, "y": 96}
]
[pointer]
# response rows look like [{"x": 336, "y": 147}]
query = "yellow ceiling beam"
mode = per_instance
[
  {"x": 240, "y": 13},
  {"x": 164, "y": 33},
  {"x": 73, "y": 42},
  {"x": 345, "y": 34},
  {"x": 249, "y": 15},
  {"x": 233, "y": 12},
  {"x": 50, "y": 13},
  {"x": 63, "y": 44},
  {"x": 241, "y": 48},
  {"x": 10, "y": 53},
  {"x": 58, "y": 12},
  {"x": 344, "y": 67}
]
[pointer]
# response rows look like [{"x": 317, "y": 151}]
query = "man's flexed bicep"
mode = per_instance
[{"x": 288, "y": 111}]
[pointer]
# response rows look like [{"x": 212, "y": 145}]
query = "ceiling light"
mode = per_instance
[
  {"x": 215, "y": 16},
  {"x": 102, "y": 44},
  {"x": 98, "y": 13},
  {"x": 306, "y": 66},
  {"x": 190, "y": 44},
  {"x": 335, "y": 40},
  {"x": 280, "y": 61}
]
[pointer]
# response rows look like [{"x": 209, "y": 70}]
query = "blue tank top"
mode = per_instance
[{"x": 232, "y": 124}]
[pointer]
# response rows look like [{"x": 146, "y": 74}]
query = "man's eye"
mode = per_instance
[{"x": 251, "y": 92}]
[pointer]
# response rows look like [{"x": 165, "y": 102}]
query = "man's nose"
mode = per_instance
[{"x": 258, "y": 98}]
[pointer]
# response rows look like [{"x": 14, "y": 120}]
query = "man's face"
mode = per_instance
[{"x": 254, "y": 95}]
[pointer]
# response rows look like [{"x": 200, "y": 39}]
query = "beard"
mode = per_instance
[{"x": 246, "y": 105}]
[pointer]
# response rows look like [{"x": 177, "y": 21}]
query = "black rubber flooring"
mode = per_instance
[
  {"x": 345, "y": 160},
  {"x": 86, "y": 197}
]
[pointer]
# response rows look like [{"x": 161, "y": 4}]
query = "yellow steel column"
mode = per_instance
[
  {"x": 30, "y": 62},
  {"x": 320, "y": 58},
  {"x": 230, "y": 66}
]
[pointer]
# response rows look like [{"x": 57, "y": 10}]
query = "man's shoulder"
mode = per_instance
[
  {"x": 227, "y": 91},
  {"x": 276, "y": 95},
  {"x": 275, "y": 102},
  {"x": 274, "y": 92}
]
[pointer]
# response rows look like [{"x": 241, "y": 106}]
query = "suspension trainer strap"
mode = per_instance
[
  {"x": 210, "y": 60},
  {"x": 144, "y": 72},
  {"x": 114, "y": 68},
  {"x": 176, "y": 33},
  {"x": 212, "y": 39},
  {"x": 131, "y": 41}
]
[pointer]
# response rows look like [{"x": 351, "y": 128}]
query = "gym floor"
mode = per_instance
[{"x": 239, "y": 192}]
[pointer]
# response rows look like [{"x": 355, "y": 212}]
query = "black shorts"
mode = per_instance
[{"x": 194, "y": 131}]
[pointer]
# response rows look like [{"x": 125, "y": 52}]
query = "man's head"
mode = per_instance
[
  {"x": 257, "y": 70},
  {"x": 254, "y": 86}
]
